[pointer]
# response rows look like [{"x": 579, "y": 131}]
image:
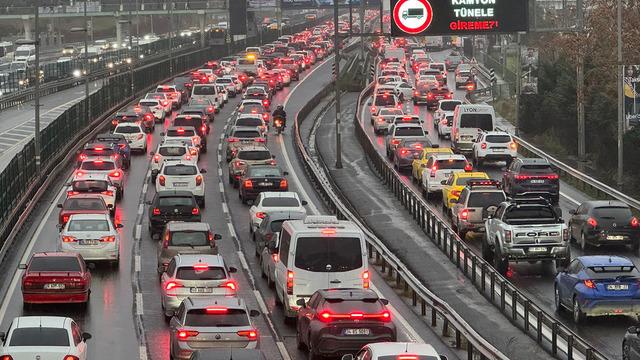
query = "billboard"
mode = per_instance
[
  {"x": 458, "y": 17},
  {"x": 529, "y": 65},
  {"x": 631, "y": 95},
  {"x": 260, "y": 4}
]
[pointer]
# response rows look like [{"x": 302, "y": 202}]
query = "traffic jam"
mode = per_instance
[
  {"x": 316, "y": 265},
  {"x": 508, "y": 207}
]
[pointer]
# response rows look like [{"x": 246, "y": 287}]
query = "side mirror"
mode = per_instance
[
  {"x": 119, "y": 226},
  {"x": 443, "y": 182},
  {"x": 347, "y": 357},
  {"x": 254, "y": 313},
  {"x": 203, "y": 171},
  {"x": 285, "y": 173},
  {"x": 301, "y": 303},
  {"x": 572, "y": 212},
  {"x": 152, "y": 153},
  {"x": 304, "y": 202},
  {"x": 232, "y": 269},
  {"x": 86, "y": 336},
  {"x": 59, "y": 206},
  {"x": 110, "y": 206},
  {"x": 162, "y": 133},
  {"x": 443, "y": 357},
  {"x": 217, "y": 237},
  {"x": 273, "y": 156},
  {"x": 22, "y": 266},
  {"x": 384, "y": 301}
]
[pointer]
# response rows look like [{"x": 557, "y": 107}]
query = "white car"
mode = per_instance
[
  {"x": 494, "y": 146},
  {"x": 445, "y": 107},
  {"x": 236, "y": 82},
  {"x": 95, "y": 184},
  {"x": 44, "y": 337},
  {"x": 444, "y": 125},
  {"x": 156, "y": 108},
  {"x": 98, "y": 167},
  {"x": 207, "y": 91},
  {"x": 403, "y": 89},
  {"x": 186, "y": 134},
  {"x": 384, "y": 119},
  {"x": 286, "y": 77},
  {"x": 94, "y": 236},
  {"x": 252, "y": 120},
  {"x": 396, "y": 350},
  {"x": 135, "y": 135},
  {"x": 164, "y": 99},
  {"x": 222, "y": 91},
  {"x": 172, "y": 92},
  {"x": 271, "y": 202},
  {"x": 229, "y": 85},
  {"x": 438, "y": 169},
  {"x": 182, "y": 175},
  {"x": 171, "y": 150}
]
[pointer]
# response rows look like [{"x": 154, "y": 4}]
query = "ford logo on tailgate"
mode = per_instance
[{"x": 537, "y": 234}]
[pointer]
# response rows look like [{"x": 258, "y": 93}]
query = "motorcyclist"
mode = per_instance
[{"x": 280, "y": 113}]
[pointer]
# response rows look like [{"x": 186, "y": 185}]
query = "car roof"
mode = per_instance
[
  {"x": 471, "y": 174},
  {"x": 224, "y": 301},
  {"x": 41, "y": 321},
  {"x": 230, "y": 354},
  {"x": 447, "y": 156},
  {"x": 605, "y": 203},
  {"x": 56, "y": 254},
  {"x": 284, "y": 215},
  {"x": 408, "y": 125},
  {"x": 399, "y": 348},
  {"x": 534, "y": 161},
  {"x": 245, "y": 128},
  {"x": 187, "y": 225},
  {"x": 605, "y": 260},
  {"x": 89, "y": 217},
  {"x": 253, "y": 148},
  {"x": 496, "y": 133},
  {"x": 94, "y": 177},
  {"x": 192, "y": 259},
  {"x": 279, "y": 194},
  {"x": 249, "y": 116},
  {"x": 93, "y": 144}
]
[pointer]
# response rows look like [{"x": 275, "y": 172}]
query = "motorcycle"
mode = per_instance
[{"x": 278, "y": 123}]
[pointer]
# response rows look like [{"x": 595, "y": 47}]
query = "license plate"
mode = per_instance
[
  {"x": 180, "y": 184},
  {"x": 265, "y": 184},
  {"x": 88, "y": 242},
  {"x": 534, "y": 181},
  {"x": 198, "y": 290},
  {"x": 54, "y": 286},
  {"x": 498, "y": 150},
  {"x": 357, "y": 331},
  {"x": 538, "y": 249},
  {"x": 617, "y": 287},
  {"x": 615, "y": 237}
]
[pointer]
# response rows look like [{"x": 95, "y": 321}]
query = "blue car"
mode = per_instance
[
  {"x": 123, "y": 146},
  {"x": 598, "y": 285}
]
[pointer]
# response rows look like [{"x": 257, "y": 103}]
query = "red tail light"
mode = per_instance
[
  {"x": 471, "y": 87},
  {"x": 183, "y": 335},
  {"x": 148, "y": 116},
  {"x": 265, "y": 116},
  {"x": 79, "y": 173},
  {"x": 634, "y": 222},
  {"x": 251, "y": 334},
  {"x": 592, "y": 222},
  {"x": 417, "y": 93},
  {"x": 261, "y": 215},
  {"x": 107, "y": 192},
  {"x": 6, "y": 357},
  {"x": 395, "y": 141},
  {"x": 156, "y": 211},
  {"x": 69, "y": 239},
  {"x": 229, "y": 285},
  {"x": 260, "y": 140},
  {"x": 455, "y": 193},
  {"x": 195, "y": 211},
  {"x": 216, "y": 310},
  {"x": 115, "y": 174},
  {"x": 65, "y": 218},
  {"x": 468, "y": 168},
  {"x": 210, "y": 109},
  {"x": 248, "y": 184},
  {"x": 265, "y": 102},
  {"x": 108, "y": 239},
  {"x": 162, "y": 180},
  {"x": 68, "y": 357},
  {"x": 198, "y": 180},
  {"x": 483, "y": 146},
  {"x": 404, "y": 152},
  {"x": 590, "y": 284},
  {"x": 407, "y": 357},
  {"x": 289, "y": 282},
  {"x": 193, "y": 151},
  {"x": 165, "y": 103},
  {"x": 365, "y": 279},
  {"x": 203, "y": 128},
  {"x": 283, "y": 184},
  {"x": 464, "y": 214},
  {"x": 430, "y": 96},
  {"x": 448, "y": 96},
  {"x": 156, "y": 158}
]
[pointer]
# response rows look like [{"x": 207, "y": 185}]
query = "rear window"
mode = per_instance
[
  {"x": 196, "y": 273},
  {"x": 98, "y": 165},
  {"x": 88, "y": 225},
  {"x": 204, "y": 90},
  {"x": 367, "y": 306},
  {"x": 224, "y": 81},
  {"x": 328, "y": 254},
  {"x": 409, "y": 131},
  {"x": 254, "y": 108},
  {"x": 382, "y": 100},
  {"x": 128, "y": 117},
  {"x": 485, "y": 199},
  {"x": 39, "y": 336},
  {"x": 161, "y": 89},
  {"x": 103, "y": 152},
  {"x": 437, "y": 66},
  {"x": 538, "y": 169},
  {"x": 528, "y": 214},
  {"x": 89, "y": 185},
  {"x": 613, "y": 212},
  {"x": 451, "y": 164},
  {"x": 498, "y": 139},
  {"x": 75, "y": 203},
  {"x": 613, "y": 272},
  {"x": 229, "y": 318},
  {"x": 127, "y": 130},
  {"x": 477, "y": 121},
  {"x": 181, "y": 132},
  {"x": 246, "y": 62},
  {"x": 249, "y": 122},
  {"x": 148, "y": 103},
  {"x": 171, "y": 201},
  {"x": 189, "y": 238},
  {"x": 172, "y": 151},
  {"x": 192, "y": 121},
  {"x": 180, "y": 170},
  {"x": 449, "y": 105},
  {"x": 55, "y": 263},
  {"x": 280, "y": 202},
  {"x": 254, "y": 155},
  {"x": 265, "y": 171},
  {"x": 392, "y": 111},
  {"x": 246, "y": 133}
]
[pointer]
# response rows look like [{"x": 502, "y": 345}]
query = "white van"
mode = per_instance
[
  {"x": 25, "y": 53},
  {"x": 208, "y": 91},
  {"x": 468, "y": 122},
  {"x": 319, "y": 252}
]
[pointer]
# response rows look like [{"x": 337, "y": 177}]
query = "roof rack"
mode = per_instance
[
  {"x": 321, "y": 220},
  {"x": 484, "y": 183}
]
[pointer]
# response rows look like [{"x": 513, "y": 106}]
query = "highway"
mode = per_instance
[
  {"x": 535, "y": 280},
  {"x": 124, "y": 313}
]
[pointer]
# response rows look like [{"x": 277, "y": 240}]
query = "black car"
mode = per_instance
[
  {"x": 631, "y": 344},
  {"x": 531, "y": 176},
  {"x": 172, "y": 205},
  {"x": 196, "y": 110},
  {"x": 437, "y": 93},
  {"x": 204, "y": 104},
  {"x": 604, "y": 222},
  {"x": 271, "y": 225},
  {"x": 199, "y": 123},
  {"x": 338, "y": 321},
  {"x": 259, "y": 178},
  {"x": 123, "y": 146},
  {"x": 227, "y": 354},
  {"x": 128, "y": 116}
]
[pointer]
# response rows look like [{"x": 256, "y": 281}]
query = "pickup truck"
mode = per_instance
[{"x": 525, "y": 230}]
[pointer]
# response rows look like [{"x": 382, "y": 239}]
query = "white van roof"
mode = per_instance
[
  {"x": 315, "y": 225},
  {"x": 475, "y": 108}
]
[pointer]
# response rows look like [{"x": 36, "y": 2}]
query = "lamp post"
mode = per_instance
[
  {"x": 130, "y": 58},
  {"x": 85, "y": 61}
]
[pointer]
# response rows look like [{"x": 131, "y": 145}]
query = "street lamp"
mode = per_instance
[
  {"x": 130, "y": 59},
  {"x": 85, "y": 64}
]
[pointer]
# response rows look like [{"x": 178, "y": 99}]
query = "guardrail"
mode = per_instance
[
  {"x": 531, "y": 318},
  {"x": 391, "y": 267}
]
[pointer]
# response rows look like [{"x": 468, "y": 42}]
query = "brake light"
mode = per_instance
[
  {"x": 107, "y": 193},
  {"x": 193, "y": 151},
  {"x": 6, "y": 357},
  {"x": 156, "y": 158},
  {"x": 395, "y": 141},
  {"x": 373, "y": 109},
  {"x": 365, "y": 279},
  {"x": 470, "y": 87},
  {"x": 230, "y": 285},
  {"x": 483, "y": 146},
  {"x": 161, "y": 180},
  {"x": 195, "y": 211},
  {"x": 216, "y": 310},
  {"x": 592, "y": 222},
  {"x": 404, "y": 152},
  {"x": 416, "y": 93},
  {"x": 448, "y": 96},
  {"x": 260, "y": 140},
  {"x": 590, "y": 284},
  {"x": 407, "y": 357},
  {"x": 65, "y": 218},
  {"x": 468, "y": 167},
  {"x": 165, "y": 103},
  {"x": 283, "y": 184},
  {"x": 198, "y": 180},
  {"x": 634, "y": 222},
  {"x": 265, "y": 116},
  {"x": 69, "y": 239},
  {"x": 261, "y": 215},
  {"x": 464, "y": 214},
  {"x": 289, "y": 282},
  {"x": 455, "y": 193},
  {"x": 115, "y": 174},
  {"x": 430, "y": 96},
  {"x": 108, "y": 239},
  {"x": 186, "y": 334},
  {"x": 156, "y": 211},
  {"x": 251, "y": 334},
  {"x": 248, "y": 184},
  {"x": 180, "y": 131},
  {"x": 210, "y": 109},
  {"x": 68, "y": 357},
  {"x": 265, "y": 102},
  {"x": 434, "y": 168}
]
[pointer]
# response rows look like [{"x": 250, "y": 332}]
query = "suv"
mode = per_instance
[
  {"x": 336, "y": 321},
  {"x": 242, "y": 136},
  {"x": 535, "y": 176},
  {"x": 438, "y": 169},
  {"x": 186, "y": 238},
  {"x": 494, "y": 146},
  {"x": 171, "y": 205},
  {"x": 182, "y": 175},
  {"x": 123, "y": 146},
  {"x": 476, "y": 200},
  {"x": 402, "y": 131},
  {"x": 199, "y": 123},
  {"x": 526, "y": 229},
  {"x": 171, "y": 150},
  {"x": 99, "y": 149},
  {"x": 246, "y": 156}
]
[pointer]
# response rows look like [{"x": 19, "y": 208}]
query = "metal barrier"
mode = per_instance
[{"x": 430, "y": 305}]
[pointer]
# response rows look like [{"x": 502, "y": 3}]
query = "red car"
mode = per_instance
[
  {"x": 82, "y": 204},
  {"x": 55, "y": 278}
]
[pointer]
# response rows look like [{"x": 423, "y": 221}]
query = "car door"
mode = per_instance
[
  {"x": 307, "y": 313},
  {"x": 176, "y": 322},
  {"x": 567, "y": 281},
  {"x": 576, "y": 221},
  {"x": 506, "y": 177}
]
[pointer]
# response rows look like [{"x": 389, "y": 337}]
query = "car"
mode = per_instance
[
  {"x": 195, "y": 275},
  {"x": 48, "y": 337},
  {"x": 240, "y": 136},
  {"x": 202, "y": 323},
  {"x": 453, "y": 60},
  {"x": 156, "y": 107},
  {"x": 186, "y": 134},
  {"x": 260, "y": 178},
  {"x": 174, "y": 95},
  {"x": 469, "y": 121},
  {"x": 171, "y": 150},
  {"x": 396, "y": 350},
  {"x": 531, "y": 175},
  {"x": 403, "y": 90},
  {"x": 209, "y": 92},
  {"x": 171, "y": 205},
  {"x": 407, "y": 150},
  {"x": 96, "y": 167},
  {"x": 337, "y": 321},
  {"x": 55, "y": 278},
  {"x": 127, "y": 116},
  {"x": 285, "y": 75},
  {"x": 101, "y": 149},
  {"x": 476, "y": 201},
  {"x": 135, "y": 135},
  {"x": 463, "y": 73},
  {"x": 181, "y": 237},
  {"x": 420, "y": 162},
  {"x": 384, "y": 100},
  {"x": 494, "y": 146},
  {"x": 222, "y": 91},
  {"x": 204, "y": 104},
  {"x": 148, "y": 121},
  {"x": 96, "y": 184},
  {"x": 604, "y": 222},
  {"x": 453, "y": 186},
  {"x": 422, "y": 91},
  {"x": 123, "y": 146},
  {"x": 227, "y": 354},
  {"x": 272, "y": 202},
  {"x": 251, "y": 120},
  {"x": 445, "y": 107},
  {"x": 255, "y": 106},
  {"x": 437, "y": 93},
  {"x": 86, "y": 203},
  {"x": 439, "y": 167},
  {"x": 400, "y": 131},
  {"x": 598, "y": 285},
  {"x": 198, "y": 123},
  {"x": 267, "y": 241},
  {"x": 255, "y": 92},
  {"x": 384, "y": 119},
  {"x": 165, "y": 101},
  {"x": 94, "y": 236},
  {"x": 246, "y": 156},
  {"x": 235, "y": 78},
  {"x": 182, "y": 175},
  {"x": 200, "y": 111}
]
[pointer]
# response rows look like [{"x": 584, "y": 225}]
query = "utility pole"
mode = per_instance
[
  {"x": 36, "y": 136},
  {"x": 336, "y": 45},
  {"x": 86, "y": 63},
  {"x": 620, "y": 69},
  {"x": 582, "y": 151},
  {"x": 169, "y": 6},
  {"x": 518, "y": 85},
  {"x": 381, "y": 16},
  {"x": 362, "y": 30}
]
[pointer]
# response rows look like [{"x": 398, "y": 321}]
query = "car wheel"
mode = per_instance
[
  {"x": 300, "y": 344},
  {"x": 626, "y": 351},
  {"x": 263, "y": 273},
  {"x": 578, "y": 315},
  {"x": 499, "y": 263},
  {"x": 487, "y": 254},
  {"x": 556, "y": 299}
]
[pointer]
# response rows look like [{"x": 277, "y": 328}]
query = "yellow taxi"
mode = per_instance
[
  {"x": 455, "y": 184},
  {"x": 420, "y": 163}
]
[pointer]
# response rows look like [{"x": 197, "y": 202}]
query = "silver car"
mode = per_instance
[
  {"x": 94, "y": 236},
  {"x": 195, "y": 275},
  {"x": 211, "y": 322},
  {"x": 181, "y": 237}
]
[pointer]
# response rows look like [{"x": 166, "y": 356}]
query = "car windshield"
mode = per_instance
[
  {"x": 172, "y": 151},
  {"x": 254, "y": 155},
  {"x": 249, "y": 122},
  {"x": 173, "y": 201},
  {"x": 451, "y": 164},
  {"x": 251, "y": 108},
  {"x": 265, "y": 171},
  {"x": 76, "y": 203},
  {"x": 409, "y": 131},
  {"x": 280, "y": 202},
  {"x": 39, "y": 337},
  {"x": 485, "y": 199},
  {"x": 347, "y": 306},
  {"x": 127, "y": 130},
  {"x": 204, "y": 102},
  {"x": 180, "y": 169},
  {"x": 498, "y": 139},
  {"x": 228, "y": 318},
  {"x": 54, "y": 263},
  {"x": 477, "y": 121},
  {"x": 617, "y": 213},
  {"x": 529, "y": 214},
  {"x": 189, "y": 238},
  {"x": 449, "y": 105},
  {"x": 90, "y": 185},
  {"x": 180, "y": 132},
  {"x": 328, "y": 254},
  {"x": 88, "y": 225},
  {"x": 246, "y": 134},
  {"x": 204, "y": 90},
  {"x": 626, "y": 272},
  {"x": 98, "y": 165},
  {"x": 201, "y": 272}
]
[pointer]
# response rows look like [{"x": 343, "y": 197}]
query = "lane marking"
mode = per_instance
[
  {"x": 138, "y": 265},
  {"x": 143, "y": 352},
  {"x": 139, "y": 304},
  {"x": 145, "y": 187},
  {"x": 140, "y": 209},
  {"x": 137, "y": 234},
  {"x": 283, "y": 350},
  {"x": 261, "y": 303},
  {"x": 225, "y": 208}
]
